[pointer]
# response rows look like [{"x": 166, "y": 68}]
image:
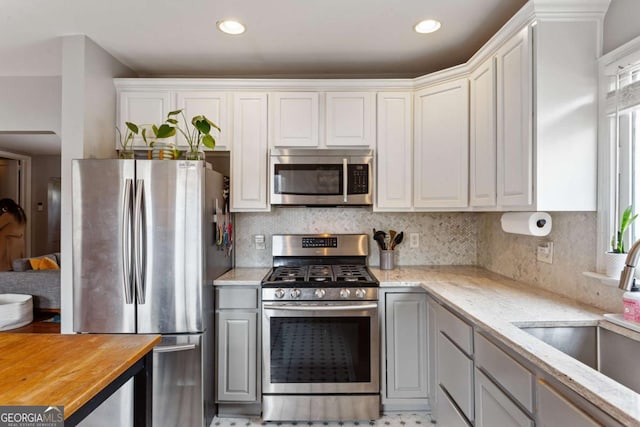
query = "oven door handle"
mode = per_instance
[{"x": 321, "y": 307}]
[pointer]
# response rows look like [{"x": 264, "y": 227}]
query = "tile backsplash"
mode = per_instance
[
  {"x": 450, "y": 239},
  {"x": 445, "y": 238}
]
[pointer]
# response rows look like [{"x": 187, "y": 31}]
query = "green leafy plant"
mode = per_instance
[
  {"x": 127, "y": 138},
  {"x": 199, "y": 131},
  {"x": 617, "y": 240}
]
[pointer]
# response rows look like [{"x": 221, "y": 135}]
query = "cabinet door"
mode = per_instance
[
  {"x": 441, "y": 140},
  {"x": 212, "y": 105},
  {"x": 455, "y": 375},
  {"x": 237, "y": 356},
  {"x": 395, "y": 151},
  {"x": 494, "y": 408},
  {"x": 406, "y": 345},
  {"x": 448, "y": 413},
  {"x": 249, "y": 153},
  {"x": 482, "y": 136},
  {"x": 144, "y": 109},
  {"x": 555, "y": 410},
  {"x": 295, "y": 119},
  {"x": 515, "y": 152},
  {"x": 350, "y": 119}
]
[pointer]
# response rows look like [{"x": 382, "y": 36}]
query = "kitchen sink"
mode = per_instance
[{"x": 600, "y": 348}]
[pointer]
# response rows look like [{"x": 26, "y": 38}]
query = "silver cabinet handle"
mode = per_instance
[
  {"x": 174, "y": 348},
  {"x": 138, "y": 242},
  {"x": 126, "y": 242},
  {"x": 345, "y": 183},
  {"x": 320, "y": 307}
]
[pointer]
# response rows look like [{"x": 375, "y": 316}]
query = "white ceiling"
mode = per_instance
[
  {"x": 284, "y": 38},
  {"x": 30, "y": 144}
]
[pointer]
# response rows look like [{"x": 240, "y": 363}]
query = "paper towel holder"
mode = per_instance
[{"x": 526, "y": 223}]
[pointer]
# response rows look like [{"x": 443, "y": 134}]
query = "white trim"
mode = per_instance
[{"x": 25, "y": 193}]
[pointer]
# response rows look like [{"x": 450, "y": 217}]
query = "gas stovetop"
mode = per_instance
[{"x": 320, "y": 267}]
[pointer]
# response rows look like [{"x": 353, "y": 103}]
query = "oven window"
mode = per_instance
[
  {"x": 320, "y": 350},
  {"x": 308, "y": 179}
]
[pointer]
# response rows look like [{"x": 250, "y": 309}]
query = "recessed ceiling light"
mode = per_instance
[
  {"x": 427, "y": 26},
  {"x": 229, "y": 26}
]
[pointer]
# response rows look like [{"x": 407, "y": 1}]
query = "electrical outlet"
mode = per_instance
[
  {"x": 259, "y": 241},
  {"x": 414, "y": 240},
  {"x": 544, "y": 252}
]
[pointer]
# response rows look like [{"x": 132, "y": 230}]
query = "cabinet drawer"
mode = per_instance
[
  {"x": 511, "y": 375},
  {"x": 448, "y": 414},
  {"x": 236, "y": 297},
  {"x": 455, "y": 375},
  {"x": 494, "y": 408},
  {"x": 456, "y": 329}
]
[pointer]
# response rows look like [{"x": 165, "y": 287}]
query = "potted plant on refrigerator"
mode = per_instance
[
  {"x": 126, "y": 140},
  {"x": 198, "y": 133},
  {"x": 615, "y": 259}
]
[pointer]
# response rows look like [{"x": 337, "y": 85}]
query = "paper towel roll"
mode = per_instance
[{"x": 527, "y": 223}]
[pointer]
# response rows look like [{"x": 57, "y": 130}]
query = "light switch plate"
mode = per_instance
[{"x": 545, "y": 252}]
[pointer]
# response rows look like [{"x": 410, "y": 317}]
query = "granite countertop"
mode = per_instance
[{"x": 499, "y": 306}]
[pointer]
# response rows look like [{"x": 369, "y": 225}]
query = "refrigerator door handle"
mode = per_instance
[
  {"x": 174, "y": 348},
  {"x": 126, "y": 242},
  {"x": 139, "y": 241}
]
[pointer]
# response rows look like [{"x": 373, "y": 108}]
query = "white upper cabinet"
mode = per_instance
[
  {"x": 294, "y": 119},
  {"x": 350, "y": 119},
  {"x": 394, "y": 152},
  {"x": 515, "y": 152},
  {"x": 212, "y": 105},
  {"x": 482, "y": 135},
  {"x": 441, "y": 146},
  {"x": 249, "y": 153},
  {"x": 143, "y": 108}
]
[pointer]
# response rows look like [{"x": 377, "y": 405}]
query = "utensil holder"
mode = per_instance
[{"x": 386, "y": 260}]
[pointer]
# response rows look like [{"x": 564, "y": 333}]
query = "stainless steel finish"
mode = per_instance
[
  {"x": 320, "y": 293},
  {"x": 364, "y": 309},
  {"x": 309, "y": 294},
  {"x": 345, "y": 174},
  {"x": 177, "y": 377},
  {"x": 345, "y": 293},
  {"x": 319, "y": 308},
  {"x": 348, "y": 245},
  {"x": 173, "y": 218},
  {"x": 626, "y": 278},
  {"x": 98, "y": 188},
  {"x": 336, "y": 157},
  {"x": 361, "y": 293},
  {"x": 127, "y": 263},
  {"x": 598, "y": 347},
  {"x": 173, "y": 348},
  {"x": 320, "y": 408},
  {"x": 139, "y": 247},
  {"x": 295, "y": 293}
]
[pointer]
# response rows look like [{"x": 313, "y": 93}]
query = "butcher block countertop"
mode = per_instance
[{"x": 66, "y": 370}]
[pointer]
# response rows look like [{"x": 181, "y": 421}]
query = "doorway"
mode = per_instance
[{"x": 10, "y": 180}]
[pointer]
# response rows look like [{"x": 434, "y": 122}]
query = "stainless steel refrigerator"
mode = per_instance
[{"x": 146, "y": 248}]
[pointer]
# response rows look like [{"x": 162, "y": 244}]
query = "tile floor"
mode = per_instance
[{"x": 404, "y": 419}]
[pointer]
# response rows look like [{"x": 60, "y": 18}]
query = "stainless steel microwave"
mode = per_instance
[{"x": 321, "y": 177}]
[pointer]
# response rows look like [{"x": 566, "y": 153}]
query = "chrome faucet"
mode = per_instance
[{"x": 626, "y": 278}]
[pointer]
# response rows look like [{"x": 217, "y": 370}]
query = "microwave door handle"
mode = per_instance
[{"x": 345, "y": 175}]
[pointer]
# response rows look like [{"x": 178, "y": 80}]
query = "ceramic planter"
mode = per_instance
[{"x": 614, "y": 263}]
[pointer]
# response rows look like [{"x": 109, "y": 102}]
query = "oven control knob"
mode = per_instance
[
  {"x": 360, "y": 293},
  {"x": 279, "y": 293},
  {"x": 295, "y": 293},
  {"x": 344, "y": 293},
  {"x": 320, "y": 293}
]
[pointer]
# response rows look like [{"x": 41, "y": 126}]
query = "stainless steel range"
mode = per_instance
[{"x": 320, "y": 333}]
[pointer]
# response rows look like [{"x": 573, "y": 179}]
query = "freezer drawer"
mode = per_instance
[{"x": 178, "y": 397}]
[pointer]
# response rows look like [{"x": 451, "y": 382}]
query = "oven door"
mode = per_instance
[{"x": 320, "y": 347}]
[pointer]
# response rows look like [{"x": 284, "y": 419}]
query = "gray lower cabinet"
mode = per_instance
[
  {"x": 407, "y": 374},
  {"x": 495, "y": 408},
  {"x": 556, "y": 410},
  {"x": 237, "y": 337},
  {"x": 448, "y": 413},
  {"x": 237, "y": 356}
]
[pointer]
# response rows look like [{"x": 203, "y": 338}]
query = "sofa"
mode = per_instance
[{"x": 44, "y": 285}]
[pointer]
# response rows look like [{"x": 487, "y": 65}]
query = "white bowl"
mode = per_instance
[{"x": 16, "y": 310}]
